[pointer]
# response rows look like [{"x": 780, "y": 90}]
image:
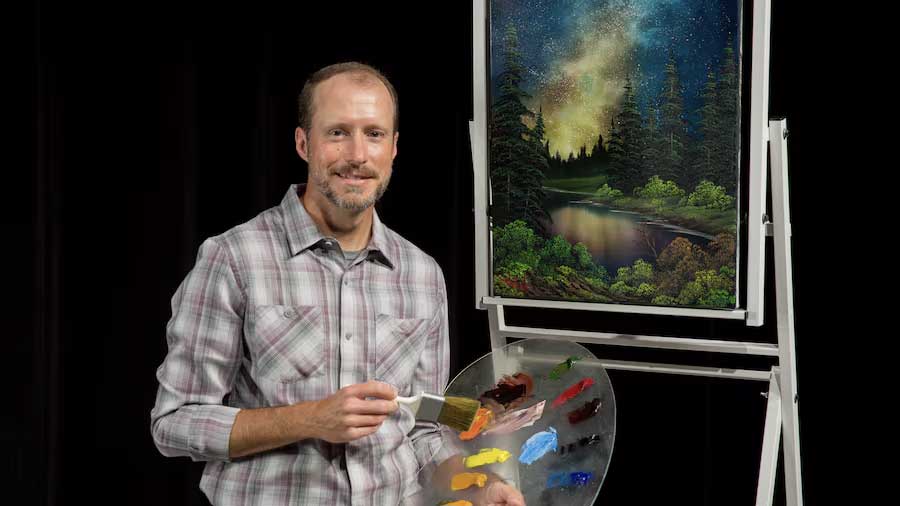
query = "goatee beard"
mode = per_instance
[{"x": 351, "y": 204}]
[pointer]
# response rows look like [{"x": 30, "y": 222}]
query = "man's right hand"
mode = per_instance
[
  {"x": 351, "y": 413},
  {"x": 345, "y": 416}
]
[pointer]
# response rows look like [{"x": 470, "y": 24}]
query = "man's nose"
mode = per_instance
[{"x": 358, "y": 150}]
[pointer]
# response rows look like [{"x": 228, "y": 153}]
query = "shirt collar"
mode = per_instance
[{"x": 302, "y": 232}]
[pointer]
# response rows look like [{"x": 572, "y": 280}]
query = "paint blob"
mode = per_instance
[
  {"x": 463, "y": 481},
  {"x": 538, "y": 445},
  {"x": 511, "y": 391},
  {"x": 572, "y": 391},
  {"x": 563, "y": 367},
  {"x": 505, "y": 394},
  {"x": 585, "y": 441},
  {"x": 487, "y": 456},
  {"x": 515, "y": 420},
  {"x": 575, "y": 479},
  {"x": 581, "y": 414}
]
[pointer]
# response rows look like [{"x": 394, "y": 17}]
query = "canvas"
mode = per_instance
[{"x": 614, "y": 148}]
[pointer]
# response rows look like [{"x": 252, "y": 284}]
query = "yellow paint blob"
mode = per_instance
[
  {"x": 463, "y": 481},
  {"x": 487, "y": 456}
]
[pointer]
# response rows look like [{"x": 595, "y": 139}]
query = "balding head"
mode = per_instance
[{"x": 359, "y": 73}]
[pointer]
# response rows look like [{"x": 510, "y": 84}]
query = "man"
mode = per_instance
[{"x": 293, "y": 333}]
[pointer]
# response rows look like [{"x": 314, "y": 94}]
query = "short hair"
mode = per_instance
[{"x": 361, "y": 73}]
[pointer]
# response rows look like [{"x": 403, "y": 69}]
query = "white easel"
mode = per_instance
[{"x": 782, "y": 407}]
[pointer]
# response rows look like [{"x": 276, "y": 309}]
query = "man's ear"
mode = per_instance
[
  {"x": 301, "y": 144},
  {"x": 396, "y": 136}
]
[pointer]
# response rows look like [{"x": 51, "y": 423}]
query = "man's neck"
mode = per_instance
[{"x": 352, "y": 229}]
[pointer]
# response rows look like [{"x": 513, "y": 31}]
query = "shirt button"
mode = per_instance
[
  {"x": 346, "y": 282},
  {"x": 347, "y": 336},
  {"x": 289, "y": 314}
]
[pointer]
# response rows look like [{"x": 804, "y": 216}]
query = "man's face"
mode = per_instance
[{"x": 351, "y": 145}]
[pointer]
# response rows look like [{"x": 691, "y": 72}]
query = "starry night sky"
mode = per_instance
[{"x": 578, "y": 52}]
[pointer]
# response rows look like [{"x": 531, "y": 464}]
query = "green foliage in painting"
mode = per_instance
[
  {"x": 620, "y": 288},
  {"x": 710, "y": 196},
  {"x": 607, "y": 193},
  {"x": 656, "y": 188},
  {"x": 516, "y": 243}
]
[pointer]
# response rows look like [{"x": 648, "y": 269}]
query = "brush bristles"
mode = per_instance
[{"x": 459, "y": 412}]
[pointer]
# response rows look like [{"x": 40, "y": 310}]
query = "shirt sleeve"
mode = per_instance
[
  {"x": 204, "y": 339},
  {"x": 433, "y": 442}
]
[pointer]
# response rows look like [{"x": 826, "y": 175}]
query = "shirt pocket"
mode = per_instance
[
  {"x": 287, "y": 344},
  {"x": 398, "y": 344}
]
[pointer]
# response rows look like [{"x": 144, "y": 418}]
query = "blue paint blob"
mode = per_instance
[
  {"x": 537, "y": 445},
  {"x": 576, "y": 479},
  {"x": 580, "y": 479}
]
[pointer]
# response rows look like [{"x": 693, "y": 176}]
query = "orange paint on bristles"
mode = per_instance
[{"x": 482, "y": 418}]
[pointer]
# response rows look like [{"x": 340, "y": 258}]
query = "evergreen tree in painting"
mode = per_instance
[
  {"x": 727, "y": 98},
  {"x": 517, "y": 160},
  {"x": 672, "y": 128},
  {"x": 653, "y": 146},
  {"x": 532, "y": 181},
  {"x": 632, "y": 140},
  {"x": 598, "y": 152},
  {"x": 709, "y": 156},
  {"x": 615, "y": 150}
]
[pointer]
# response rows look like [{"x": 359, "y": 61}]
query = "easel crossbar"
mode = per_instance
[
  {"x": 722, "y": 314},
  {"x": 640, "y": 341},
  {"x": 683, "y": 370}
]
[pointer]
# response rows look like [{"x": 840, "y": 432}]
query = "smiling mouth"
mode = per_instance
[{"x": 353, "y": 177}]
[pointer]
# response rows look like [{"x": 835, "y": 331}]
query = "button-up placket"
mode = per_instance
[{"x": 355, "y": 364}]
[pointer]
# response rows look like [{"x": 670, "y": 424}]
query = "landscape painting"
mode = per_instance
[{"x": 614, "y": 148}]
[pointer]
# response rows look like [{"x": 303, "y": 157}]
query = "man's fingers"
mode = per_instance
[
  {"x": 377, "y": 407},
  {"x": 369, "y": 406},
  {"x": 364, "y": 420},
  {"x": 503, "y": 494},
  {"x": 361, "y": 432},
  {"x": 376, "y": 389}
]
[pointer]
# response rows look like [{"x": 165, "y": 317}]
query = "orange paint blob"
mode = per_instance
[{"x": 463, "y": 481}]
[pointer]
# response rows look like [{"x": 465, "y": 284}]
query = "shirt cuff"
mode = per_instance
[{"x": 211, "y": 431}]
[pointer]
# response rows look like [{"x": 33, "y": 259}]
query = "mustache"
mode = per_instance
[{"x": 349, "y": 170}]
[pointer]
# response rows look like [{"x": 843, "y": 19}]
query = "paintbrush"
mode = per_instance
[{"x": 455, "y": 412}]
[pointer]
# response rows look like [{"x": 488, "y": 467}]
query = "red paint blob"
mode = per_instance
[{"x": 572, "y": 391}]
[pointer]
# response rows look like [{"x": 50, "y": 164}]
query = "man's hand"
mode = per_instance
[
  {"x": 500, "y": 494},
  {"x": 348, "y": 415},
  {"x": 496, "y": 493}
]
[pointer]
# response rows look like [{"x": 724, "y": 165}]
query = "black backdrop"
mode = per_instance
[{"x": 153, "y": 126}]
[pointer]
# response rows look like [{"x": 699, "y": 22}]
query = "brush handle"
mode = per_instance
[{"x": 410, "y": 402}]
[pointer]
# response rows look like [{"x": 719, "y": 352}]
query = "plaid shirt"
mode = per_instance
[{"x": 269, "y": 316}]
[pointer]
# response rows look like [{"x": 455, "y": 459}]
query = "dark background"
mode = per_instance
[{"x": 152, "y": 126}]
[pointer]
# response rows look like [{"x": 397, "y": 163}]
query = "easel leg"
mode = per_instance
[
  {"x": 495, "y": 320},
  {"x": 792, "y": 483},
  {"x": 768, "y": 465},
  {"x": 784, "y": 298}
]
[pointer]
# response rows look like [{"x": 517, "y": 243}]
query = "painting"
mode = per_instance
[{"x": 614, "y": 149}]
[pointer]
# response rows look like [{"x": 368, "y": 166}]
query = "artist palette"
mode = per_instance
[{"x": 579, "y": 406}]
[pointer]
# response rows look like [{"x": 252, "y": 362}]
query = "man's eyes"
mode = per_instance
[{"x": 378, "y": 134}]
